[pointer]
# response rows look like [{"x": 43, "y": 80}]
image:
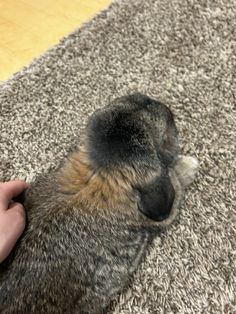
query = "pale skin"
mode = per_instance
[{"x": 12, "y": 215}]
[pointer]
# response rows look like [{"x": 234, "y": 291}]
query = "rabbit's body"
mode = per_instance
[
  {"x": 69, "y": 260},
  {"x": 89, "y": 223}
]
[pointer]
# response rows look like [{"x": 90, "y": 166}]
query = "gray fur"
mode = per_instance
[{"x": 73, "y": 260}]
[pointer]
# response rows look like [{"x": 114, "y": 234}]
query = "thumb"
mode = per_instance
[{"x": 12, "y": 224}]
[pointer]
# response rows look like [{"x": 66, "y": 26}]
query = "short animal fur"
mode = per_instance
[{"x": 90, "y": 221}]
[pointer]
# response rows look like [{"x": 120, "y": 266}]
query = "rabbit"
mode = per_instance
[{"x": 90, "y": 221}]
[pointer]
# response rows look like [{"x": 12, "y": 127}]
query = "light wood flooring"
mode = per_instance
[{"x": 29, "y": 27}]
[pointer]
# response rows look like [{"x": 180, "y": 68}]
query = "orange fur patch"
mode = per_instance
[{"x": 99, "y": 188}]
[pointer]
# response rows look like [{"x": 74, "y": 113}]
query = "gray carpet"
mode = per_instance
[{"x": 183, "y": 52}]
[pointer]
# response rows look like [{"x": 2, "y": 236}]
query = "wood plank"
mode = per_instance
[{"x": 28, "y": 27}]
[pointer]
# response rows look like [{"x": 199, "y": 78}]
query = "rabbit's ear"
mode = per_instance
[{"x": 156, "y": 198}]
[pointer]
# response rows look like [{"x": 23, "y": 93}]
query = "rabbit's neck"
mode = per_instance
[{"x": 96, "y": 188}]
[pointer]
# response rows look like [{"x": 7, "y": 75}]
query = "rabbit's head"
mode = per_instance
[{"x": 134, "y": 140}]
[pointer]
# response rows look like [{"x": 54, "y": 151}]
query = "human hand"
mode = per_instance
[{"x": 12, "y": 215}]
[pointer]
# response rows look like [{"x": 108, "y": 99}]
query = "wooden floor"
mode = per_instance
[{"x": 29, "y": 27}]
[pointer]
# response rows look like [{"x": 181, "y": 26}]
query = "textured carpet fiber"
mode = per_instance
[{"x": 182, "y": 52}]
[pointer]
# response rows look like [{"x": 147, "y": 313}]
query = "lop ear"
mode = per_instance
[{"x": 156, "y": 198}]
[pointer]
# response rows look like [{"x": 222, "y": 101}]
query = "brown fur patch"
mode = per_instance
[{"x": 99, "y": 188}]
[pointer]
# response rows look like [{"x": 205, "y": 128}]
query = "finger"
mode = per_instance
[
  {"x": 17, "y": 213},
  {"x": 12, "y": 225},
  {"x": 9, "y": 190}
]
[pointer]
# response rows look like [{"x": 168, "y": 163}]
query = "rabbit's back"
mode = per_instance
[{"x": 67, "y": 260}]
